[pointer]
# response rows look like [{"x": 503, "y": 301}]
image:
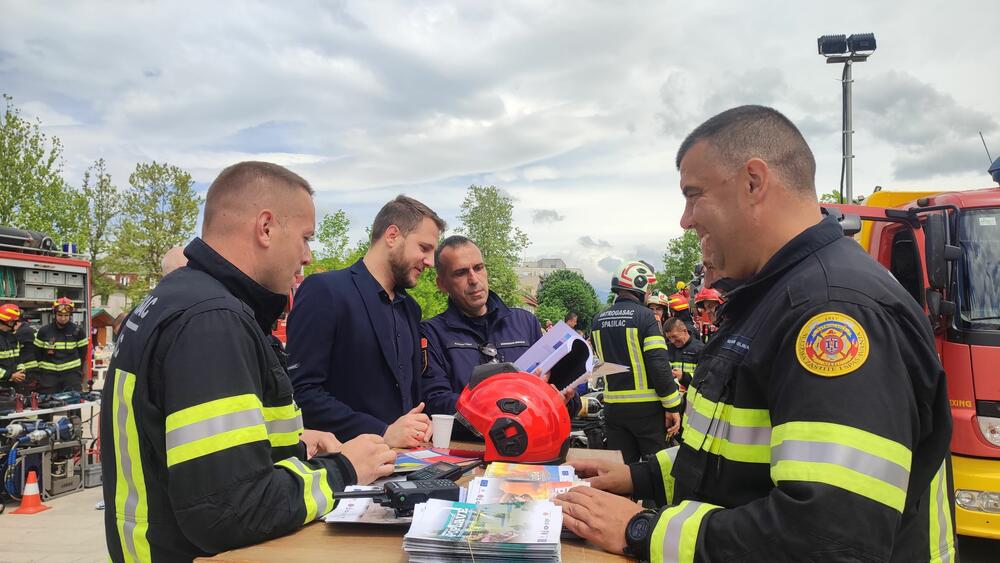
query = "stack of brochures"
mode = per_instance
[{"x": 456, "y": 531}]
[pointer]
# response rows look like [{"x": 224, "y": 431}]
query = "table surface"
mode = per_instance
[
  {"x": 320, "y": 541},
  {"x": 28, "y": 413}
]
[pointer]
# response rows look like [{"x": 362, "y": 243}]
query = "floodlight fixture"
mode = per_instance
[
  {"x": 861, "y": 43},
  {"x": 851, "y": 49},
  {"x": 832, "y": 45}
]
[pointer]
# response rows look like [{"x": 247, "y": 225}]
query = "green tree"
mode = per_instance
[
  {"x": 551, "y": 311},
  {"x": 161, "y": 210},
  {"x": 102, "y": 204},
  {"x": 683, "y": 253},
  {"x": 833, "y": 196},
  {"x": 570, "y": 292},
  {"x": 487, "y": 218},
  {"x": 335, "y": 254},
  {"x": 432, "y": 300},
  {"x": 32, "y": 188}
]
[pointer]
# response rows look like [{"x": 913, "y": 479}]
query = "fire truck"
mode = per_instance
[
  {"x": 944, "y": 248},
  {"x": 34, "y": 272}
]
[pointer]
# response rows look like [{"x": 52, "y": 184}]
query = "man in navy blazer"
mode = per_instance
[{"x": 354, "y": 337}]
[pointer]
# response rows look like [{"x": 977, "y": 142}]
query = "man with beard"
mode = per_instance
[{"x": 353, "y": 335}]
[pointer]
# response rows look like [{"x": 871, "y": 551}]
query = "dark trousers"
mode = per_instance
[
  {"x": 637, "y": 436},
  {"x": 59, "y": 381}
]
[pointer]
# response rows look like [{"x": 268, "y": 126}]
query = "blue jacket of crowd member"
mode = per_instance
[
  {"x": 343, "y": 357},
  {"x": 456, "y": 343}
]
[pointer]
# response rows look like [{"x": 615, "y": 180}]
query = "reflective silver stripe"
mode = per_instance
[
  {"x": 322, "y": 507},
  {"x": 672, "y": 535},
  {"x": 213, "y": 427},
  {"x": 635, "y": 355},
  {"x": 747, "y": 435},
  {"x": 844, "y": 456},
  {"x": 943, "y": 513},
  {"x": 132, "y": 500},
  {"x": 283, "y": 426}
]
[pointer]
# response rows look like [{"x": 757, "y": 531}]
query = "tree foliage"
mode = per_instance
[
  {"x": 102, "y": 205},
  {"x": 833, "y": 196},
  {"x": 683, "y": 253},
  {"x": 569, "y": 292},
  {"x": 161, "y": 210},
  {"x": 487, "y": 218},
  {"x": 32, "y": 189}
]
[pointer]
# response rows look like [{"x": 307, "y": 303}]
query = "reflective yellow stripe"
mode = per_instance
[
  {"x": 675, "y": 536},
  {"x": 27, "y": 365},
  {"x": 841, "y": 456},
  {"x": 214, "y": 426},
  {"x": 735, "y": 433},
  {"x": 3, "y": 373},
  {"x": 671, "y": 400},
  {"x": 666, "y": 460},
  {"x": 60, "y": 367},
  {"x": 59, "y": 345},
  {"x": 635, "y": 358},
  {"x": 131, "y": 505},
  {"x": 82, "y": 343},
  {"x": 629, "y": 396},
  {"x": 284, "y": 424},
  {"x": 597, "y": 345},
  {"x": 653, "y": 343},
  {"x": 5, "y": 354},
  {"x": 317, "y": 496},
  {"x": 941, "y": 532}
]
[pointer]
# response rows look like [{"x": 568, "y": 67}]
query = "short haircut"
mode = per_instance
[
  {"x": 746, "y": 132},
  {"x": 237, "y": 183},
  {"x": 406, "y": 213},
  {"x": 672, "y": 323},
  {"x": 454, "y": 241},
  {"x": 569, "y": 316}
]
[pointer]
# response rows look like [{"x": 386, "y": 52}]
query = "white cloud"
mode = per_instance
[{"x": 572, "y": 107}]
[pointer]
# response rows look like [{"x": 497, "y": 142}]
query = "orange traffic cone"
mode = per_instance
[{"x": 31, "y": 501}]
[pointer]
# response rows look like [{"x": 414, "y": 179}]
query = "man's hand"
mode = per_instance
[
  {"x": 409, "y": 430},
  {"x": 673, "y": 420},
  {"x": 677, "y": 373},
  {"x": 370, "y": 456},
  {"x": 597, "y": 516},
  {"x": 17, "y": 376},
  {"x": 605, "y": 475},
  {"x": 318, "y": 442}
]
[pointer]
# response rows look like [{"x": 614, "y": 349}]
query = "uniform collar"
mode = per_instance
[
  {"x": 806, "y": 243},
  {"x": 495, "y": 307},
  {"x": 267, "y": 305}
]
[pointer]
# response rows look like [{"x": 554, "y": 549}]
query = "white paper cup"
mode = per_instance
[{"x": 441, "y": 425}]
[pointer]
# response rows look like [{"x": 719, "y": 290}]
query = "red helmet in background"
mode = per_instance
[
  {"x": 708, "y": 294},
  {"x": 10, "y": 313},
  {"x": 678, "y": 302},
  {"x": 522, "y": 418}
]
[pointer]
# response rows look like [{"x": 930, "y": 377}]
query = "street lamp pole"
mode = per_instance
[{"x": 848, "y": 50}]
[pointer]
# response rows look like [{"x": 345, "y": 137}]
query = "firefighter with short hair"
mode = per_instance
[
  {"x": 16, "y": 356},
  {"x": 61, "y": 351},
  {"x": 640, "y": 405}
]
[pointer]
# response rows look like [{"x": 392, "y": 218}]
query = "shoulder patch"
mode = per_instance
[{"x": 832, "y": 344}]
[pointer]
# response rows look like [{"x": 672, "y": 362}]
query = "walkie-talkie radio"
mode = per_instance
[{"x": 402, "y": 496}]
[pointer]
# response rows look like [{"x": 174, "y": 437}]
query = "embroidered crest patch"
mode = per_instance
[{"x": 832, "y": 344}]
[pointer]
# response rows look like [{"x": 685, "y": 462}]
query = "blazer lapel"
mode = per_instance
[{"x": 383, "y": 333}]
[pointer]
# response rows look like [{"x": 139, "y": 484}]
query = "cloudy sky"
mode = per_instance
[{"x": 574, "y": 108}]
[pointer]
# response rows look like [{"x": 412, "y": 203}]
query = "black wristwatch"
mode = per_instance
[{"x": 637, "y": 534}]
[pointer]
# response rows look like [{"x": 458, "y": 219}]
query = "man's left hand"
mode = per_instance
[
  {"x": 319, "y": 443},
  {"x": 597, "y": 516}
]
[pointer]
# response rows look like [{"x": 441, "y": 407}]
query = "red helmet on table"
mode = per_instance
[{"x": 522, "y": 418}]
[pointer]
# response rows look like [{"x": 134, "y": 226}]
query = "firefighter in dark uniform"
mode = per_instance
[
  {"x": 61, "y": 351},
  {"x": 818, "y": 424},
  {"x": 203, "y": 448},
  {"x": 17, "y": 356},
  {"x": 640, "y": 405},
  {"x": 476, "y": 328},
  {"x": 683, "y": 351}
]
